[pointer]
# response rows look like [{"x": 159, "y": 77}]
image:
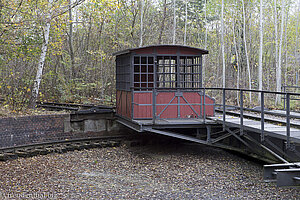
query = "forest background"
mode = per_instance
[{"x": 61, "y": 50}]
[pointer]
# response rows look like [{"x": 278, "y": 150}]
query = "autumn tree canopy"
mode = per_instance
[{"x": 75, "y": 40}]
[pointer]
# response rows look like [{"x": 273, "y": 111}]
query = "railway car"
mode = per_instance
[{"x": 161, "y": 84}]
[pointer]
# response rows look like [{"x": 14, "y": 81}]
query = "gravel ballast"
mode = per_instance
[{"x": 173, "y": 171}]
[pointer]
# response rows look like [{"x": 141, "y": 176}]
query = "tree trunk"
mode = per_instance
[
  {"x": 184, "y": 40},
  {"x": 141, "y": 31},
  {"x": 205, "y": 45},
  {"x": 246, "y": 51},
  {"x": 71, "y": 41},
  {"x": 38, "y": 78},
  {"x": 278, "y": 70},
  {"x": 276, "y": 36},
  {"x": 286, "y": 49},
  {"x": 222, "y": 41},
  {"x": 296, "y": 38},
  {"x": 260, "y": 68},
  {"x": 162, "y": 22},
  {"x": 237, "y": 61},
  {"x": 174, "y": 21}
]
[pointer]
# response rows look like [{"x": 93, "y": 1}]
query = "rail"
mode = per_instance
[
  {"x": 262, "y": 108},
  {"x": 285, "y": 88},
  {"x": 60, "y": 146}
]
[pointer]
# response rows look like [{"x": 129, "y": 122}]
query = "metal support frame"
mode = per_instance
[
  {"x": 154, "y": 106},
  {"x": 241, "y": 135},
  {"x": 276, "y": 148},
  {"x": 287, "y": 174},
  {"x": 288, "y": 177},
  {"x": 175, "y": 135},
  {"x": 166, "y": 106},
  {"x": 204, "y": 114},
  {"x": 208, "y": 131},
  {"x": 224, "y": 111},
  {"x": 242, "y": 112},
  {"x": 178, "y": 107},
  {"x": 266, "y": 148},
  {"x": 288, "y": 133},
  {"x": 262, "y": 120},
  {"x": 190, "y": 106},
  {"x": 239, "y": 138},
  {"x": 221, "y": 138},
  {"x": 269, "y": 170},
  {"x": 284, "y": 88}
]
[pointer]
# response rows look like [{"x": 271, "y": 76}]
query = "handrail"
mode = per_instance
[
  {"x": 216, "y": 88},
  {"x": 290, "y": 86},
  {"x": 241, "y": 91}
]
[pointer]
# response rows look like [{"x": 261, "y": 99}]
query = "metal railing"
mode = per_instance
[
  {"x": 241, "y": 92},
  {"x": 262, "y": 108},
  {"x": 285, "y": 88}
]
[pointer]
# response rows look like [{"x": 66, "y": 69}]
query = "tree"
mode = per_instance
[
  {"x": 278, "y": 69},
  {"x": 246, "y": 51},
  {"x": 237, "y": 57},
  {"x": 185, "y": 23},
  {"x": 222, "y": 43},
  {"x": 174, "y": 21},
  {"x": 82, "y": 38},
  {"x": 141, "y": 31},
  {"x": 37, "y": 82},
  {"x": 205, "y": 44},
  {"x": 162, "y": 22},
  {"x": 261, "y": 35},
  {"x": 276, "y": 48},
  {"x": 71, "y": 39}
]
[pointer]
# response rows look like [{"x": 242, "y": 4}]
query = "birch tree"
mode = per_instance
[
  {"x": 185, "y": 23},
  {"x": 237, "y": 58},
  {"x": 71, "y": 40},
  {"x": 162, "y": 22},
  {"x": 174, "y": 21},
  {"x": 246, "y": 51},
  {"x": 260, "y": 68},
  {"x": 276, "y": 39},
  {"x": 278, "y": 70},
  {"x": 41, "y": 62},
  {"x": 296, "y": 36},
  {"x": 222, "y": 43},
  {"x": 141, "y": 30},
  {"x": 205, "y": 43}
]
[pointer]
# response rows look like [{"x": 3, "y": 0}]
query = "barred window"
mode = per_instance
[{"x": 143, "y": 72}]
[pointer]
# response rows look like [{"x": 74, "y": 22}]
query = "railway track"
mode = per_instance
[
  {"x": 71, "y": 106},
  {"x": 64, "y": 146},
  {"x": 278, "y": 113},
  {"x": 268, "y": 118}
]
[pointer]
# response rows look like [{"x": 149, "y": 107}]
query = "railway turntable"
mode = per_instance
[
  {"x": 159, "y": 87},
  {"x": 159, "y": 90}
]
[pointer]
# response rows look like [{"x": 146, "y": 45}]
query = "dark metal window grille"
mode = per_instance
[
  {"x": 189, "y": 75},
  {"x": 123, "y": 72},
  {"x": 166, "y": 71},
  {"x": 143, "y": 72},
  {"x": 190, "y": 72}
]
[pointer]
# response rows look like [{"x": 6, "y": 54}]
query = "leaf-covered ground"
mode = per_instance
[
  {"x": 176, "y": 171},
  {"x": 6, "y": 112}
]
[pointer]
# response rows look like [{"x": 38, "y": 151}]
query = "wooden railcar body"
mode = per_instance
[{"x": 161, "y": 82}]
